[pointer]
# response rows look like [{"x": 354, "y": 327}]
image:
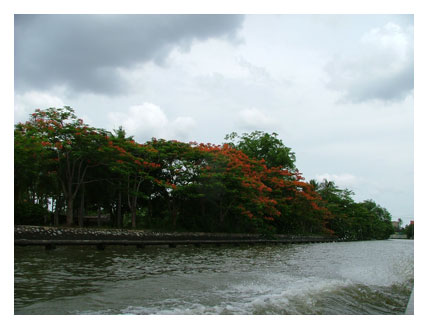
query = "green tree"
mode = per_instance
[
  {"x": 67, "y": 142},
  {"x": 410, "y": 231},
  {"x": 247, "y": 185},
  {"x": 133, "y": 163},
  {"x": 33, "y": 170},
  {"x": 180, "y": 165},
  {"x": 260, "y": 145}
]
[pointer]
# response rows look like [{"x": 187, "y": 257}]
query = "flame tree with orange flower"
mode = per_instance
[
  {"x": 249, "y": 184},
  {"x": 67, "y": 142}
]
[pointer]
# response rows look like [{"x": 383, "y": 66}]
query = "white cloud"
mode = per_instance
[
  {"x": 255, "y": 119},
  {"x": 380, "y": 67},
  {"x": 257, "y": 73},
  {"x": 341, "y": 180},
  {"x": 391, "y": 37},
  {"x": 27, "y": 102},
  {"x": 182, "y": 126},
  {"x": 149, "y": 120}
]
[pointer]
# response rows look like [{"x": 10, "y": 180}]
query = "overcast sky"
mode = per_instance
[{"x": 338, "y": 89}]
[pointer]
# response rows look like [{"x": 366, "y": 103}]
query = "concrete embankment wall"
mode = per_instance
[
  {"x": 398, "y": 236},
  {"x": 46, "y": 233},
  {"x": 410, "y": 309}
]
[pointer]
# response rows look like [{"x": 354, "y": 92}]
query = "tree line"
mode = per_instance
[{"x": 66, "y": 170}]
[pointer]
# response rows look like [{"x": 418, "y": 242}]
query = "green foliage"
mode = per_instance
[
  {"x": 27, "y": 213},
  {"x": 247, "y": 185},
  {"x": 67, "y": 149},
  {"x": 260, "y": 145},
  {"x": 409, "y": 230},
  {"x": 351, "y": 220}
]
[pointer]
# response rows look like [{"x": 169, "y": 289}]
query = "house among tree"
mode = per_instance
[{"x": 397, "y": 224}]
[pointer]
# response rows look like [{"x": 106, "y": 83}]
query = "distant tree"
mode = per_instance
[
  {"x": 400, "y": 223},
  {"x": 352, "y": 220},
  {"x": 410, "y": 231}
]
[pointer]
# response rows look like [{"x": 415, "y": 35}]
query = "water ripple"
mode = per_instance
[{"x": 373, "y": 277}]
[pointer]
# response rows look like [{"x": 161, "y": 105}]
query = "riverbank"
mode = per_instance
[
  {"x": 410, "y": 309},
  {"x": 24, "y": 232},
  {"x": 398, "y": 236}
]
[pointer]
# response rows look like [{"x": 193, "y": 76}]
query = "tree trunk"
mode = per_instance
[
  {"x": 119, "y": 210},
  {"x": 82, "y": 207},
  {"x": 174, "y": 218},
  {"x": 133, "y": 207},
  {"x": 111, "y": 217},
  {"x": 173, "y": 211},
  {"x": 99, "y": 216},
  {"x": 132, "y": 202},
  {"x": 57, "y": 208},
  {"x": 134, "y": 212},
  {"x": 56, "y": 214},
  {"x": 150, "y": 209},
  {"x": 203, "y": 211},
  {"x": 221, "y": 213},
  {"x": 69, "y": 214}
]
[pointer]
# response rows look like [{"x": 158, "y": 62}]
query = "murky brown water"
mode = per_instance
[{"x": 370, "y": 277}]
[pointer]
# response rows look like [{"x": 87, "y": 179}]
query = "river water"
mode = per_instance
[{"x": 365, "y": 277}]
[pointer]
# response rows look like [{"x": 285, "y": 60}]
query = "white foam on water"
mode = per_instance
[
  {"x": 291, "y": 295},
  {"x": 287, "y": 296}
]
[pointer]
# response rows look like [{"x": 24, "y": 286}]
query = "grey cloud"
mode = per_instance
[
  {"x": 370, "y": 86},
  {"x": 84, "y": 52},
  {"x": 257, "y": 72},
  {"x": 381, "y": 68},
  {"x": 393, "y": 88}
]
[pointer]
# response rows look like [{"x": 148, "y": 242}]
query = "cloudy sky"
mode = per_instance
[{"x": 338, "y": 89}]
